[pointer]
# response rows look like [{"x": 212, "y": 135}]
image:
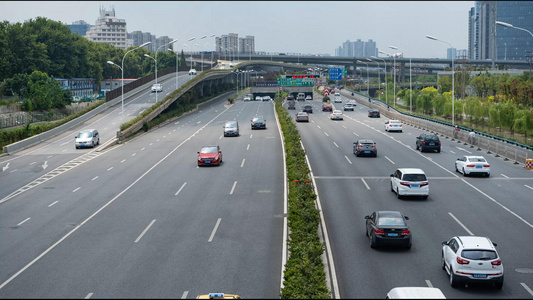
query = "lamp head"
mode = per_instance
[
  {"x": 144, "y": 44},
  {"x": 110, "y": 62},
  {"x": 392, "y": 47},
  {"x": 504, "y": 24},
  {"x": 432, "y": 37}
]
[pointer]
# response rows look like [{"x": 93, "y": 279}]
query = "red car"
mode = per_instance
[
  {"x": 210, "y": 155},
  {"x": 327, "y": 107}
]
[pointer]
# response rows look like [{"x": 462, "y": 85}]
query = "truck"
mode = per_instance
[{"x": 291, "y": 104}]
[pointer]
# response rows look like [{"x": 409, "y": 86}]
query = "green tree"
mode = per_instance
[
  {"x": 444, "y": 84},
  {"x": 182, "y": 61},
  {"x": 424, "y": 101}
]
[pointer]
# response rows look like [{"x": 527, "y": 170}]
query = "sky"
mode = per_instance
[{"x": 307, "y": 27}]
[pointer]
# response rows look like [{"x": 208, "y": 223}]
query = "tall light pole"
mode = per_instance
[
  {"x": 379, "y": 78},
  {"x": 386, "y": 87},
  {"x": 122, "y": 69},
  {"x": 394, "y": 79},
  {"x": 155, "y": 60},
  {"x": 367, "y": 78},
  {"x": 202, "y": 57},
  {"x": 410, "y": 81},
  {"x": 212, "y": 51},
  {"x": 177, "y": 57},
  {"x": 453, "y": 78},
  {"x": 511, "y": 26},
  {"x": 155, "y": 63},
  {"x": 249, "y": 51}
]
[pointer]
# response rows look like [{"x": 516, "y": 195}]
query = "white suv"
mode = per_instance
[
  {"x": 409, "y": 182},
  {"x": 472, "y": 259}
]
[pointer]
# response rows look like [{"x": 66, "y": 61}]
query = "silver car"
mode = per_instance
[
  {"x": 231, "y": 128},
  {"x": 87, "y": 138}
]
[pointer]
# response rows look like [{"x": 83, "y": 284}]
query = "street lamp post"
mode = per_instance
[
  {"x": 177, "y": 57},
  {"x": 453, "y": 78},
  {"x": 386, "y": 87},
  {"x": 367, "y": 78},
  {"x": 202, "y": 56},
  {"x": 511, "y": 26},
  {"x": 394, "y": 79},
  {"x": 155, "y": 59},
  {"x": 122, "y": 69},
  {"x": 379, "y": 78},
  {"x": 410, "y": 81}
]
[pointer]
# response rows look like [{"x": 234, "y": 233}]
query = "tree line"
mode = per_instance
[{"x": 35, "y": 52}]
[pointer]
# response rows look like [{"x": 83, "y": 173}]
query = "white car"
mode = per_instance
[
  {"x": 336, "y": 115},
  {"x": 393, "y": 125},
  {"x": 192, "y": 72},
  {"x": 470, "y": 164},
  {"x": 337, "y": 99},
  {"x": 472, "y": 259},
  {"x": 247, "y": 98},
  {"x": 266, "y": 98},
  {"x": 308, "y": 97},
  {"x": 409, "y": 182},
  {"x": 337, "y": 94},
  {"x": 258, "y": 98},
  {"x": 157, "y": 88}
]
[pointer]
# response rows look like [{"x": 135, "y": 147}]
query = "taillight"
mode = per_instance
[
  {"x": 462, "y": 261},
  {"x": 424, "y": 184},
  {"x": 360, "y": 146},
  {"x": 404, "y": 183},
  {"x": 470, "y": 166},
  {"x": 406, "y": 232},
  {"x": 373, "y": 146},
  {"x": 423, "y": 142},
  {"x": 439, "y": 143},
  {"x": 496, "y": 262},
  {"x": 379, "y": 231},
  {"x": 486, "y": 166}
]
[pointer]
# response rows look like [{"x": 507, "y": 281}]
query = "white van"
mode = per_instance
[
  {"x": 415, "y": 293},
  {"x": 87, "y": 138}
]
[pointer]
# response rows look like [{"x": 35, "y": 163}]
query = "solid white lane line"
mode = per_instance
[
  {"x": 505, "y": 176},
  {"x": 109, "y": 169},
  {"x": 214, "y": 229},
  {"x": 233, "y": 188},
  {"x": 95, "y": 178},
  {"x": 527, "y": 288},
  {"x": 49, "y": 205},
  {"x": 89, "y": 296},
  {"x": 145, "y": 230},
  {"x": 390, "y": 160},
  {"x": 429, "y": 283},
  {"x": 528, "y": 186},
  {"x": 363, "y": 180},
  {"x": 181, "y": 188},
  {"x": 23, "y": 222},
  {"x": 242, "y": 164},
  {"x": 326, "y": 133},
  {"x": 76, "y": 189},
  {"x": 348, "y": 159},
  {"x": 184, "y": 295},
  {"x": 248, "y": 147},
  {"x": 462, "y": 225},
  {"x": 336, "y": 144}
]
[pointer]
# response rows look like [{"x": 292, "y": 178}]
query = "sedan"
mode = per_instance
[
  {"x": 308, "y": 109},
  {"x": 365, "y": 147},
  {"x": 352, "y": 102},
  {"x": 468, "y": 165},
  {"x": 373, "y": 113},
  {"x": 348, "y": 106},
  {"x": 327, "y": 107},
  {"x": 302, "y": 117},
  {"x": 337, "y": 100},
  {"x": 308, "y": 97},
  {"x": 157, "y": 88},
  {"x": 393, "y": 125},
  {"x": 210, "y": 155},
  {"x": 388, "y": 227},
  {"x": 258, "y": 122},
  {"x": 336, "y": 115}
]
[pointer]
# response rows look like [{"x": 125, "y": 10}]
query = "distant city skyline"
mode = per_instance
[{"x": 325, "y": 25}]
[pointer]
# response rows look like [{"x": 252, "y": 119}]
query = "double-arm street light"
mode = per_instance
[
  {"x": 122, "y": 69},
  {"x": 155, "y": 60},
  {"x": 386, "y": 87},
  {"x": 367, "y": 78},
  {"x": 453, "y": 78},
  {"x": 511, "y": 26},
  {"x": 410, "y": 80}
]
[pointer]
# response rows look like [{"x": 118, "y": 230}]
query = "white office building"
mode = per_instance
[{"x": 109, "y": 29}]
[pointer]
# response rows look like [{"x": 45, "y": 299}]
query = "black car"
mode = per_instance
[
  {"x": 259, "y": 122},
  {"x": 426, "y": 142},
  {"x": 308, "y": 109},
  {"x": 373, "y": 113},
  {"x": 388, "y": 227}
]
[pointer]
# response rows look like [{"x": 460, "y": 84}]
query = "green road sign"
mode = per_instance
[
  {"x": 344, "y": 71},
  {"x": 296, "y": 81}
]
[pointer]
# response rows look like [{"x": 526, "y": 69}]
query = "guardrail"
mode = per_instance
[{"x": 498, "y": 146}]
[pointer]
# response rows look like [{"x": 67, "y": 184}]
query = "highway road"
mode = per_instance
[
  {"x": 351, "y": 187},
  {"x": 140, "y": 219}
]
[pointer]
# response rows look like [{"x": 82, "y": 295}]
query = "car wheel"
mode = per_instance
[
  {"x": 499, "y": 284},
  {"x": 453, "y": 279},
  {"x": 488, "y": 175},
  {"x": 391, "y": 188},
  {"x": 442, "y": 262},
  {"x": 408, "y": 245},
  {"x": 373, "y": 242},
  {"x": 92, "y": 144},
  {"x": 456, "y": 170},
  {"x": 422, "y": 149},
  {"x": 417, "y": 147},
  {"x": 438, "y": 150},
  {"x": 401, "y": 130},
  {"x": 398, "y": 193},
  {"x": 76, "y": 147},
  {"x": 425, "y": 197},
  {"x": 464, "y": 173}
]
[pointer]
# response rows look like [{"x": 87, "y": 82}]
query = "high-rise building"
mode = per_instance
[
  {"x": 227, "y": 44},
  {"x": 499, "y": 42},
  {"x": 472, "y": 32},
  {"x": 109, "y": 29},
  {"x": 357, "y": 49},
  {"x": 247, "y": 45},
  {"x": 370, "y": 49},
  {"x": 79, "y": 27}
]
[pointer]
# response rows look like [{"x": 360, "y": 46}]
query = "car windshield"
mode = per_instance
[
  {"x": 432, "y": 138},
  {"x": 414, "y": 177},
  {"x": 210, "y": 149},
  {"x": 395, "y": 122},
  {"x": 390, "y": 221},
  {"x": 479, "y": 254},
  {"x": 82, "y": 135},
  {"x": 367, "y": 144},
  {"x": 258, "y": 119},
  {"x": 231, "y": 125}
]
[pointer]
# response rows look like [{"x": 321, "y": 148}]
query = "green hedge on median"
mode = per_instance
[{"x": 304, "y": 276}]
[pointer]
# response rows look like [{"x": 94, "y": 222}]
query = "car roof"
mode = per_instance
[
  {"x": 415, "y": 293},
  {"x": 476, "y": 242},
  {"x": 411, "y": 171},
  {"x": 394, "y": 121},
  {"x": 337, "y": 111},
  {"x": 302, "y": 113},
  {"x": 86, "y": 130},
  {"x": 373, "y": 109}
]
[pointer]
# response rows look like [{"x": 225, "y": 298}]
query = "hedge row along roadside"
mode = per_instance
[
  {"x": 10, "y": 136},
  {"x": 304, "y": 276}
]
